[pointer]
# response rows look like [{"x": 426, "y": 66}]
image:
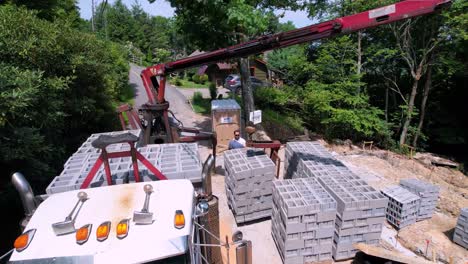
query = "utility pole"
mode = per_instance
[{"x": 92, "y": 15}]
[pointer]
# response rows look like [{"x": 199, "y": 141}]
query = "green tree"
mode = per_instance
[
  {"x": 57, "y": 85},
  {"x": 52, "y": 9},
  {"x": 214, "y": 24},
  {"x": 332, "y": 99},
  {"x": 150, "y": 35}
]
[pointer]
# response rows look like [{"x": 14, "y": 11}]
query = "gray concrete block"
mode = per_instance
[
  {"x": 428, "y": 193},
  {"x": 297, "y": 204},
  {"x": 460, "y": 234},
  {"x": 249, "y": 180}
]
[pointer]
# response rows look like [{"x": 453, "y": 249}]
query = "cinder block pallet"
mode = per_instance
[
  {"x": 403, "y": 205},
  {"x": 460, "y": 235},
  {"x": 303, "y": 216},
  {"x": 175, "y": 161},
  {"x": 361, "y": 210},
  {"x": 428, "y": 193},
  {"x": 248, "y": 183}
]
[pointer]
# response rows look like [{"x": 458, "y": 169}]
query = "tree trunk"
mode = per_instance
[
  {"x": 386, "y": 102},
  {"x": 359, "y": 59},
  {"x": 427, "y": 88},
  {"x": 247, "y": 94},
  {"x": 409, "y": 112},
  {"x": 92, "y": 16}
]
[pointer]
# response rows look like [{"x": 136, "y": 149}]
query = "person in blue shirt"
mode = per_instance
[{"x": 237, "y": 142}]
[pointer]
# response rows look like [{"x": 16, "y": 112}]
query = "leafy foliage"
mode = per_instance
[
  {"x": 213, "y": 24},
  {"x": 57, "y": 85},
  {"x": 327, "y": 92},
  {"x": 201, "y": 105},
  {"x": 142, "y": 33},
  {"x": 51, "y": 9},
  {"x": 340, "y": 113}
]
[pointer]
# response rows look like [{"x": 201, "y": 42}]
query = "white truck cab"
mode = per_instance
[
  {"x": 161, "y": 239},
  {"x": 144, "y": 222}
]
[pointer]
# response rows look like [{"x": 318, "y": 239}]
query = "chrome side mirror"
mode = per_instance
[
  {"x": 237, "y": 236},
  {"x": 202, "y": 208}
]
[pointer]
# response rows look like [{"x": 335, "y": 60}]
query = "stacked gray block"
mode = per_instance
[
  {"x": 248, "y": 184},
  {"x": 175, "y": 161},
  {"x": 428, "y": 193},
  {"x": 361, "y": 209},
  {"x": 303, "y": 221},
  {"x": 299, "y": 154},
  {"x": 360, "y": 213},
  {"x": 460, "y": 234},
  {"x": 402, "y": 209}
]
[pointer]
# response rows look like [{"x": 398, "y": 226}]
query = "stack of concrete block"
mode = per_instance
[
  {"x": 360, "y": 208},
  {"x": 303, "y": 221},
  {"x": 175, "y": 161},
  {"x": 460, "y": 235},
  {"x": 402, "y": 209},
  {"x": 310, "y": 159},
  {"x": 77, "y": 167},
  {"x": 360, "y": 213},
  {"x": 428, "y": 193},
  {"x": 297, "y": 153},
  {"x": 249, "y": 176}
]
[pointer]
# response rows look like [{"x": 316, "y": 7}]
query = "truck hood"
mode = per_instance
[{"x": 158, "y": 240}]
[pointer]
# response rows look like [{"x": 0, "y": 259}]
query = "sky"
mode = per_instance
[{"x": 163, "y": 8}]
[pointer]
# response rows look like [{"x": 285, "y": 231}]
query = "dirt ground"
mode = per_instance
[{"x": 382, "y": 168}]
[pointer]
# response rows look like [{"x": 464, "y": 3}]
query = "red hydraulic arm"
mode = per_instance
[
  {"x": 344, "y": 25},
  {"x": 155, "y": 111}
]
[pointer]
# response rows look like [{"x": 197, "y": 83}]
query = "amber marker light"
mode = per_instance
[
  {"x": 179, "y": 219},
  {"x": 122, "y": 228},
  {"x": 23, "y": 241},
  {"x": 83, "y": 233},
  {"x": 102, "y": 232}
]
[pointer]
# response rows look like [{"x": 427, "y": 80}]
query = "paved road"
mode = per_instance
[{"x": 178, "y": 103}]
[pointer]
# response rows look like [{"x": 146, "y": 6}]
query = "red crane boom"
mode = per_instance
[{"x": 344, "y": 25}]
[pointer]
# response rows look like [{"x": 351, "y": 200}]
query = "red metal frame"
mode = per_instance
[
  {"x": 274, "y": 147},
  {"x": 132, "y": 117},
  {"x": 104, "y": 158}
]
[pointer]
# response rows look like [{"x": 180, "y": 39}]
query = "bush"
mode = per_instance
[
  {"x": 271, "y": 97},
  {"x": 338, "y": 113},
  {"x": 177, "y": 81},
  {"x": 196, "y": 78},
  {"x": 201, "y": 105},
  {"x": 203, "y": 78},
  {"x": 213, "y": 91},
  {"x": 197, "y": 97}
]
